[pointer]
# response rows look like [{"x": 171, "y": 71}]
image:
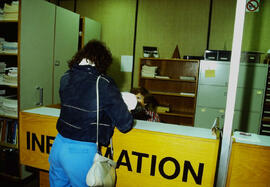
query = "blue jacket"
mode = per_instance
[{"x": 77, "y": 119}]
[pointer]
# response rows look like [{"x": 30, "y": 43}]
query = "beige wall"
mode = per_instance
[
  {"x": 223, "y": 13},
  {"x": 256, "y": 28},
  {"x": 165, "y": 24},
  {"x": 117, "y": 18}
]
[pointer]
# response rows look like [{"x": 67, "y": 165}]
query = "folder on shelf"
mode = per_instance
[
  {"x": 162, "y": 109},
  {"x": 187, "y": 94},
  {"x": 187, "y": 78},
  {"x": 162, "y": 77}
]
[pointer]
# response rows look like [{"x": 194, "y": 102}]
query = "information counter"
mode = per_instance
[
  {"x": 250, "y": 161},
  {"x": 151, "y": 154}
]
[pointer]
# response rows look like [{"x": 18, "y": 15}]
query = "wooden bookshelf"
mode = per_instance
[{"x": 173, "y": 86}]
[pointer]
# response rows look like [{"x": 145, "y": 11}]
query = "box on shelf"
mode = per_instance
[
  {"x": 223, "y": 55},
  {"x": 219, "y": 55},
  {"x": 250, "y": 57}
]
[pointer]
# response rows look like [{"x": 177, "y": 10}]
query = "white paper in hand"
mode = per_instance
[{"x": 130, "y": 100}]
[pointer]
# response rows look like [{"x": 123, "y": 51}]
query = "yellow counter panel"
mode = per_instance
[
  {"x": 250, "y": 161},
  {"x": 151, "y": 154}
]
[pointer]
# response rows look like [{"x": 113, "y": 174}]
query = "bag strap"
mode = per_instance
[{"x": 97, "y": 93}]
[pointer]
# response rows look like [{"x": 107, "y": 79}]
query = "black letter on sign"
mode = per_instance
[
  {"x": 139, "y": 161},
  {"x": 28, "y": 140},
  {"x": 188, "y": 166},
  {"x": 124, "y": 153},
  {"x": 108, "y": 153},
  {"x": 161, "y": 166},
  {"x": 153, "y": 165},
  {"x": 48, "y": 143},
  {"x": 40, "y": 145}
]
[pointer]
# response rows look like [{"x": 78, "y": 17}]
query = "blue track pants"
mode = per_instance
[{"x": 70, "y": 161}]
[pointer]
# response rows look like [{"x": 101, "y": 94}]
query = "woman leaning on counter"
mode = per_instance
[{"x": 74, "y": 148}]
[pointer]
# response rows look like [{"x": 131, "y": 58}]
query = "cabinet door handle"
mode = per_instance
[
  {"x": 40, "y": 103},
  {"x": 203, "y": 109},
  {"x": 57, "y": 63}
]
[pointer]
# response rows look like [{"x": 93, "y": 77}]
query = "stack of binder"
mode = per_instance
[
  {"x": 10, "y": 11},
  {"x": 149, "y": 71}
]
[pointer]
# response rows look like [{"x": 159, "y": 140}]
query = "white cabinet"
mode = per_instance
[
  {"x": 65, "y": 45},
  {"x": 49, "y": 37},
  {"x": 90, "y": 29},
  {"x": 212, "y": 93}
]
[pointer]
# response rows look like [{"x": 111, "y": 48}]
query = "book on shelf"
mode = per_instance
[
  {"x": 3, "y": 134},
  {"x": 1, "y": 129},
  {"x": 9, "y": 130},
  {"x": 149, "y": 71}
]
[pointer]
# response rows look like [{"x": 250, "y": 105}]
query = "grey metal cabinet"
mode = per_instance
[{"x": 212, "y": 93}]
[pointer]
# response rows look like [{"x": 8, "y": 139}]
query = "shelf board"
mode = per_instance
[
  {"x": 9, "y": 145},
  {"x": 171, "y": 59},
  {"x": 8, "y": 116},
  {"x": 10, "y": 176},
  {"x": 266, "y": 119},
  {"x": 8, "y": 53},
  {"x": 189, "y": 115},
  {"x": 8, "y": 84},
  {"x": 8, "y": 20},
  {"x": 174, "y": 80},
  {"x": 171, "y": 94}
]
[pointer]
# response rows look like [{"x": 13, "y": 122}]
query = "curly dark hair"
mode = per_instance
[
  {"x": 140, "y": 90},
  {"x": 95, "y": 51},
  {"x": 149, "y": 100}
]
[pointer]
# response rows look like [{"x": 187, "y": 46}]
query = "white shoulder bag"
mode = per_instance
[{"x": 102, "y": 172}]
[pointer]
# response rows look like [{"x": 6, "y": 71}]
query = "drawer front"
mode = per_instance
[
  {"x": 252, "y": 76},
  {"x": 242, "y": 121},
  {"x": 217, "y": 73},
  {"x": 214, "y": 73},
  {"x": 205, "y": 117},
  {"x": 247, "y": 121},
  {"x": 249, "y": 99},
  {"x": 211, "y": 96},
  {"x": 215, "y": 97}
]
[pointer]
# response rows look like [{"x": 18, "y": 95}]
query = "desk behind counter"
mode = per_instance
[{"x": 151, "y": 154}]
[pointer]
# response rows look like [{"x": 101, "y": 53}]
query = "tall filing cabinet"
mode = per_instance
[{"x": 212, "y": 93}]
